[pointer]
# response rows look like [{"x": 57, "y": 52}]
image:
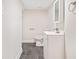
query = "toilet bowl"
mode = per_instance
[{"x": 39, "y": 40}]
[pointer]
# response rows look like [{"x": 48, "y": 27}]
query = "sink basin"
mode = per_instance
[{"x": 54, "y": 33}]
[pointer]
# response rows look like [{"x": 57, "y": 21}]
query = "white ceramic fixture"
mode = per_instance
[{"x": 53, "y": 45}]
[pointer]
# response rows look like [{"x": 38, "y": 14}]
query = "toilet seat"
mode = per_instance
[{"x": 39, "y": 40}]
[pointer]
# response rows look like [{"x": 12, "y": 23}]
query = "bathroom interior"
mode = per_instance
[{"x": 44, "y": 29}]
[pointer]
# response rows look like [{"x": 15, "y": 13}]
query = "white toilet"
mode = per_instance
[{"x": 39, "y": 40}]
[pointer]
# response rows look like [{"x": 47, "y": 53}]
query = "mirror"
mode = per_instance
[
  {"x": 58, "y": 14},
  {"x": 57, "y": 11}
]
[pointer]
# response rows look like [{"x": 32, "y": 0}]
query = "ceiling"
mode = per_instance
[{"x": 36, "y": 4}]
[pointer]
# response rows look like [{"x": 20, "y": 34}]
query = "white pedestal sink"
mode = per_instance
[{"x": 53, "y": 45}]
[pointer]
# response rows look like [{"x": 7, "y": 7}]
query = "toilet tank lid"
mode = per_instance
[{"x": 39, "y": 36}]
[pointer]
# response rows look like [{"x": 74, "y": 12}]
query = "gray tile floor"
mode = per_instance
[{"x": 31, "y": 51}]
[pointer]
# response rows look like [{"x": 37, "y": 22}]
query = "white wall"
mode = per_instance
[
  {"x": 36, "y": 20},
  {"x": 70, "y": 39},
  {"x": 50, "y": 14},
  {"x": 12, "y": 29}
]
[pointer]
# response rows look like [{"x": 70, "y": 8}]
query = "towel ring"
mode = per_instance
[{"x": 74, "y": 7}]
